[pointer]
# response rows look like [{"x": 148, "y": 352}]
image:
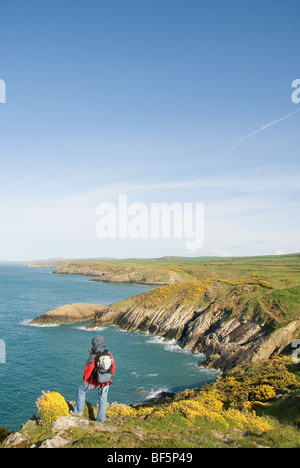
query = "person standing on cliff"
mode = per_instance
[{"x": 95, "y": 378}]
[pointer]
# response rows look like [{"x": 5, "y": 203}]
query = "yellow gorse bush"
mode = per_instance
[
  {"x": 51, "y": 406},
  {"x": 207, "y": 406},
  {"x": 257, "y": 386},
  {"x": 247, "y": 420},
  {"x": 193, "y": 409},
  {"x": 188, "y": 292},
  {"x": 227, "y": 402}
]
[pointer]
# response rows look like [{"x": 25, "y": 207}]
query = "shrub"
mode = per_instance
[
  {"x": 4, "y": 433},
  {"x": 256, "y": 383},
  {"x": 89, "y": 411},
  {"x": 51, "y": 406}
]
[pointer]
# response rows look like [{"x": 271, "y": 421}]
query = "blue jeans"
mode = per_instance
[{"x": 102, "y": 397}]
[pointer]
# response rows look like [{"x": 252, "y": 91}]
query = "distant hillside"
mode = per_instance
[
  {"x": 280, "y": 270},
  {"x": 114, "y": 272}
]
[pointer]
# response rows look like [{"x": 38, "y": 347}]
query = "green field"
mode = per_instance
[{"x": 271, "y": 283}]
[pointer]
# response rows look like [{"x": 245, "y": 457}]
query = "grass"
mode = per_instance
[{"x": 282, "y": 271}]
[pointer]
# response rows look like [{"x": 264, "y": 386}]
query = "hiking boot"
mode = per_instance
[{"x": 75, "y": 414}]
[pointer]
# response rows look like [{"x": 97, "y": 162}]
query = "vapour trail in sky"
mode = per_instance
[{"x": 261, "y": 129}]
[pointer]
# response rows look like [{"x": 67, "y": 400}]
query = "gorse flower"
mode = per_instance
[
  {"x": 51, "y": 406},
  {"x": 228, "y": 402},
  {"x": 208, "y": 406}
]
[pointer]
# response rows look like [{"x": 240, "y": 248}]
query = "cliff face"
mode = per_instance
[
  {"x": 232, "y": 321},
  {"x": 230, "y": 324},
  {"x": 125, "y": 272}
]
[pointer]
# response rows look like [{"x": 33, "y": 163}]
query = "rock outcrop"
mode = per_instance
[
  {"x": 125, "y": 272},
  {"x": 69, "y": 313},
  {"x": 231, "y": 323},
  {"x": 217, "y": 319}
]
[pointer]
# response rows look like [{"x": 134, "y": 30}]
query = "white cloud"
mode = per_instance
[{"x": 220, "y": 253}]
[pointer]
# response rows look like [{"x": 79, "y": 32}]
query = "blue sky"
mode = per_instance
[{"x": 153, "y": 99}]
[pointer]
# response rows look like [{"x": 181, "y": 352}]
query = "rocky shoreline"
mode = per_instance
[
  {"x": 213, "y": 318},
  {"x": 222, "y": 327},
  {"x": 122, "y": 273}
]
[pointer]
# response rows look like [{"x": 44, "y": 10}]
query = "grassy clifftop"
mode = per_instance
[
  {"x": 280, "y": 270},
  {"x": 272, "y": 282},
  {"x": 230, "y": 321},
  {"x": 120, "y": 272}
]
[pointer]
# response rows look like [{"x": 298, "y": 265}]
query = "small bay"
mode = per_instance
[{"x": 53, "y": 358}]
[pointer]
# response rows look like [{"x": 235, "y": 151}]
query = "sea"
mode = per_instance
[{"x": 52, "y": 358}]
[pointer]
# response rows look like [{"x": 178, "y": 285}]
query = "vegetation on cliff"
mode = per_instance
[
  {"x": 232, "y": 310},
  {"x": 257, "y": 405},
  {"x": 120, "y": 272},
  {"x": 231, "y": 321},
  {"x": 270, "y": 285}
]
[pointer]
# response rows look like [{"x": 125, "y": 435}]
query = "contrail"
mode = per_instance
[{"x": 261, "y": 129}]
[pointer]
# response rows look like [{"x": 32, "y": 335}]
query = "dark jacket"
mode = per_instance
[{"x": 98, "y": 346}]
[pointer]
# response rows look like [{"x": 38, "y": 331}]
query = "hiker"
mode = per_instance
[{"x": 99, "y": 371}]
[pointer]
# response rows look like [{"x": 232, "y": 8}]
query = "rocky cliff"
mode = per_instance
[
  {"x": 232, "y": 321},
  {"x": 125, "y": 272},
  {"x": 231, "y": 324}
]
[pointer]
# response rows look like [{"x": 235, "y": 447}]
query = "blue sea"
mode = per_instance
[{"x": 52, "y": 358}]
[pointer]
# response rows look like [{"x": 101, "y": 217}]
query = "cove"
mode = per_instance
[{"x": 53, "y": 358}]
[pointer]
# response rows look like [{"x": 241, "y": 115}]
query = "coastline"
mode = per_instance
[
  {"x": 227, "y": 310},
  {"x": 163, "y": 307}
]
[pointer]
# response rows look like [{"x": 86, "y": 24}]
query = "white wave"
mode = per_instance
[
  {"x": 28, "y": 324},
  {"x": 172, "y": 346},
  {"x": 84, "y": 328},
  {"x": 90, "y": 329},
  {"x": 210, "y": 370},
  {"x": 156, "y": 339},
  {"x": 153, "y": 393},
  {"x": 121, "y": 330}
]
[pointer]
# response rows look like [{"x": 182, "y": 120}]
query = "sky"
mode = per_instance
[{"x": 186, "y": 102}]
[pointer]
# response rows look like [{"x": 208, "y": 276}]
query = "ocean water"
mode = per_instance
[{"x": 52, "y": 358}]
